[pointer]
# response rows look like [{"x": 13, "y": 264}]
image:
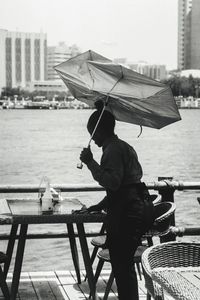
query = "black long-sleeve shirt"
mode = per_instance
[{"x": 119, "y": 165}]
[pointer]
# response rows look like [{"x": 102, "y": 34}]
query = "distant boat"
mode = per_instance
[
  {"x": 7, "y": 104},
  {"x": 64, "y": 105},
  {"x": 39, "y": 102}
]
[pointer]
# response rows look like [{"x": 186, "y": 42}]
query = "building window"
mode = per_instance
[
  {"x": 45, "y": 59},
  {"x": 159, "y": 74},
  {"x": 8, "y": 62},
  {"x": 37, "y": 58},
  {"x": 18, "y": 65},
  {"x": 28, "y": 60}
]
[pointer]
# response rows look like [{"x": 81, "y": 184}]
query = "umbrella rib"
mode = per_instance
[
  {"x": 122, "y": 75},
  {"x": 91, "y": 76}
]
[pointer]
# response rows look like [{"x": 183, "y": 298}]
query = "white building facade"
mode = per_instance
[
  {"x": 55, "y": 56},
  {"x": 58, "y": 54},
  {"x": 155, "y": 71},
  {"x": 23, "y": 58}
]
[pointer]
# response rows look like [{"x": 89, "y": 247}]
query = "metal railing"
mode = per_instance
[
  {"x": 165, "y": 186},
  {"x": 160, "y": 185}
]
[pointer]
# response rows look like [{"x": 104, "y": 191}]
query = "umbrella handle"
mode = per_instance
[{"x": 80, "y": 165}]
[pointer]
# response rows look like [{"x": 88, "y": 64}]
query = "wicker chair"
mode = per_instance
[
  {"x": 170, "y": 254},
  {"x": 163, "y": 214},
  {"x": 3, "y": 283}
]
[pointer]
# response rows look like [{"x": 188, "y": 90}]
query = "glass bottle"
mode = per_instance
[{"x": 47, "y": 198}]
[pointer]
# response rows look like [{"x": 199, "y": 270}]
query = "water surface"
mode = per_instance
[{"x": 35, "y": 143}]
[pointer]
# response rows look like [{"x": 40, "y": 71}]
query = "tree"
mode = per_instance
[
  {"x": 175, "y": 85},
  {"x": 184, "y": 86},
  {"x": 10, "y": 92}
]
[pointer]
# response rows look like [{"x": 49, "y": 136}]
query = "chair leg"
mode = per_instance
[
  {"x": 97, "y": 273},
  {"x": 139, "y": 270},
  {"x": 94, "y": 253},
  {"x": 4, "y": 286},
  {"x": 148, "y": 296},
  {"x": 98, "y": 269},
  {"x": 108, "y": 286},
  {"x": 150, "y": 241},
  {"x": 96, "y": 248},
  {"x": 74, "y": 251},
  {"x": 10, "y": 247}
]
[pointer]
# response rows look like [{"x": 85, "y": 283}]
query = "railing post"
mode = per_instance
[{"x": 167, "y": 194}]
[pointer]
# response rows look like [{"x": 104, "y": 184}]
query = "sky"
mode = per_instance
[{"x": 139, "y": 30}]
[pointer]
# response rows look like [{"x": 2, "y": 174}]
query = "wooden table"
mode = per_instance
[
  {"x": 181, "y": 283},
  {"x": 23, "y": 212}
]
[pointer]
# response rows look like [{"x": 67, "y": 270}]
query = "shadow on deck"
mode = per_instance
[{"x": 61, "y": 285}]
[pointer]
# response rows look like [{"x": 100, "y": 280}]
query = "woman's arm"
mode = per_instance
[
  {"x": 102, "y": 205},
  {"x": 109, "y": 173}
]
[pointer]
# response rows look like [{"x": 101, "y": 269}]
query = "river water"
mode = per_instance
[{"x": 34, "y": 143}]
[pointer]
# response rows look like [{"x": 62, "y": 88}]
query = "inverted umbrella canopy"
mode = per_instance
[{"x": 130, "y": 96}]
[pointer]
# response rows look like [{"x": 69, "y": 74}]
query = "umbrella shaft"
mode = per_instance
[{"x": 95, "y": 128}]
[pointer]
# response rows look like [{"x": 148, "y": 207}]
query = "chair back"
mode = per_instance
[
  {"x": 163, "y": 216},
  {"x": 173, "y": 254},
  {"x": 170, "y": 254}
]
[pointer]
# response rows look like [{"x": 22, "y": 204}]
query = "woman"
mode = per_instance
[{"x": 129, "y": 210}]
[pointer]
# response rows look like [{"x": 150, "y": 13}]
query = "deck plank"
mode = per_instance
[
  {"x": 50, "y": 282},
  {"x": 43, "y": 290},
  {"x": 27, "y": 291},
  {"x": 62, "y": 285},
  {"x": 70, "y": 286},
  {"x": 57, "y": 290}
]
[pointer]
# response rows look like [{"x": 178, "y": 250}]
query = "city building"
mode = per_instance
[
  {"x": 22, "y": 58},
  {"x": 157, "y": 72},
  {"x": 188, "y": 34},
  {"x": 120, "y": 61},
  {"x": 57, "y": 55},
  {"x": 48, "y": 86}
]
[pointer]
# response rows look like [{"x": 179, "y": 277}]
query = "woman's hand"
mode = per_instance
[
  {"x": 83, "y": 210},
  {"x": 86, "y": 155}
]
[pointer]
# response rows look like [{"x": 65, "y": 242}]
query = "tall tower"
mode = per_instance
[
  {"x": 188, "y": 34},
  {"x": 195, "y": 35},
  {"x": 22, "y": 58}
]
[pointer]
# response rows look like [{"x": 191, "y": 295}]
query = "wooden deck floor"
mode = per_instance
[{"x": 61, "y": 285}]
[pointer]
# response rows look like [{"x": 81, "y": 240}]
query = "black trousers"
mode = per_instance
[
  {"x": 125, "y": 226},
  {"x": 121, "y": 256}
]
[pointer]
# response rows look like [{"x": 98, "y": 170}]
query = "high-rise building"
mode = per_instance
[
  {"x": 155, "y": 71},
  {"x": 57, "y": 55},
  {"x": 22, "y": 58},
  {"x": 188, "y": 34}
]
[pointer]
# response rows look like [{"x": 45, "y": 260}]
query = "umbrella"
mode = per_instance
[{"x": 130, "y": 96}]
